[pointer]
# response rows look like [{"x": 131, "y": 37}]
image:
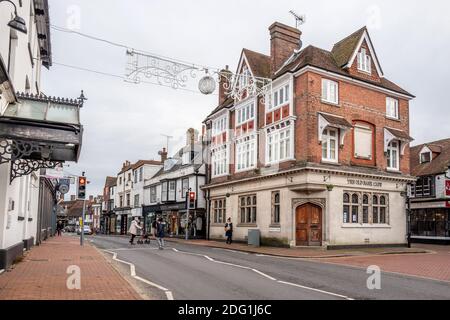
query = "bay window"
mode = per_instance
[
  {"x": 172, "y": 190},
  {"x": 219, "y": 162},
  {"x": 246, "y": 154},
  {"x": 329, "y": 145},
  {"x": 219, "y": 125},
  {"x": 280, "y": 97},
  {"x": 245, "y": 113},
  {"x": 279, "y": 145},
  {"x": 153, "y": 195}
]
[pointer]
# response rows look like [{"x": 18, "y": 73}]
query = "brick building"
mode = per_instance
[
  {"x": 430, "y": 204},
  {"x": 317, "y": 157}
]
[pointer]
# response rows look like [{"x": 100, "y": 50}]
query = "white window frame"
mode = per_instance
[
  {"x": 245, "y": 113},
  {"x": 284, "y": 92},
  {"x": 172, "y": 190},
  {"x": 364, "y": 61},
  {"x": 390, "y": 151},
  {"x": 246, "y": 150},
  {"x": 153, "y": 194},
  {"x": 275, "y": 145},
  {"x": 328, "y": 88},
  {"x": 219, "y": 125},
  {"x": 219, "y": 162},
  {"x": 326, "y": 142},
  {"x": 392, "y": 108},
  {"x": 244, "y": 78}
]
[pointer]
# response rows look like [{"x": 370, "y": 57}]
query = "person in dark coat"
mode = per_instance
[
  {"x": 229, "y": 231},
  {"x": 59, "y": 228},
  {"x": 160, "y": 233}
]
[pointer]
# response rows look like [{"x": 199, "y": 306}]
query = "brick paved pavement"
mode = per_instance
[
  {"x": 435, "y": 265},
  {"x": 42, "y": 274}
]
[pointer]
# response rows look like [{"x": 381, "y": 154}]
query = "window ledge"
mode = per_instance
[
  {"x": 247, "y": 225},
  {"x": 331, "y": 103},
  {"x": 393, "y": 171},
  {"x": 365, "y": 226},
  {"x": 216, "y": 225},
  {"x": 367, "y": 73},
  {"x": 393, "y": 119},
  {"x": 331, "y": 163}
]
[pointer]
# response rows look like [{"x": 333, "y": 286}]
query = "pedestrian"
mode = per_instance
[
  {"x": 155, "y": 227},
  {"x": 59, "y": 228},
  {"x": 229, "y": 231},
  {"x": 160, "y": 233},
  {"x": 133, "y": 229}
]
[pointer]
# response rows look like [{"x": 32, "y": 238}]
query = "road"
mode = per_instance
[{"x": 191, "y": 272}]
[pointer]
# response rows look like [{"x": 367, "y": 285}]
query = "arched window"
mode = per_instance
[
  {"x": 375, "y": 210},
  {"x": 346, "y": 212},
  {"x": 365, "y": 208},
  {"x": 383, "y": 210}
]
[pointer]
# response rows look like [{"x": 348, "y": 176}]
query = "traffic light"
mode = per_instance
[
  {"x": 192, "y": 198},
  {"x": 82, "y": 187}
]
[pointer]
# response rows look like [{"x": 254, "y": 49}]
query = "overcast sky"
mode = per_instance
[{"x": 125, "y": 121}]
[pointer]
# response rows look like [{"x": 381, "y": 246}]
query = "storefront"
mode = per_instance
[
  {"x": 314, "y": 207},
  {"x": 431, "y": 221}
]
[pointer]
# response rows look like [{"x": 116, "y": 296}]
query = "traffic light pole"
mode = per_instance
[
  {"x": 82, "y": 224},
  {"x": 186, "y": 229}
]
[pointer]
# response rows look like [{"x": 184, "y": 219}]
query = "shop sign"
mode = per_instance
[
  {"x": 364, "y": 183},
  {"x": 447, "y": 188}
]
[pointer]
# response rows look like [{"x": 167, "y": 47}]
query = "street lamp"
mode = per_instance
[{"x": 17, "y": 23}]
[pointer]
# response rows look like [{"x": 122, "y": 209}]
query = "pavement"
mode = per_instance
[
  {"x": 302, "y": 252},
  {"x": 433, "y": 265},
  {"x": 42, "y": 274},
  {"x": 195, "y": 272}
]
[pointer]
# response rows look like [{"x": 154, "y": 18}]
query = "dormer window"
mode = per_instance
[
  {"x": 364, "y": 61},
  {"x": 425, "y": 157}
]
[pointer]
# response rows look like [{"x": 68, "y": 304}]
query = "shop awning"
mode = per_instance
[
  {"x": 40, "y": 132},
  {"x": 332, "y": 121},
  {"x": 395, "y": 134}
]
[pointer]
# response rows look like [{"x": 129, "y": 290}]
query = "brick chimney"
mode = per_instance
[
  {"x": 284, "y": 40},
  {"x": 191, "y": 137},
  {"x": 163, "y": 155},
  {"x": 224, "y": 83}
]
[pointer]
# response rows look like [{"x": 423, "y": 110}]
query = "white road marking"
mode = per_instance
[
  {"x": 133, "y": 249},
  {"x": 167, "y": 292},
  {"x": 313, "y": 289},
  {"x": 266, "y": 276}
]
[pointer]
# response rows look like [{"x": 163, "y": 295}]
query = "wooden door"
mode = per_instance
[{"x": 309, "y": 225}]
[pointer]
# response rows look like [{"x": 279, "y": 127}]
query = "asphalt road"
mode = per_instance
[{"x": 193, "y": 272}]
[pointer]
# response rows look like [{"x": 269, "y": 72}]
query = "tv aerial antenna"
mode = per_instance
[
  {"x": 168, "y": 141},
  {"x": 299, "y": 19}
]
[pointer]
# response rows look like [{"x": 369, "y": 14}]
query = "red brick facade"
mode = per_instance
[{"x": 362, "y": 99}]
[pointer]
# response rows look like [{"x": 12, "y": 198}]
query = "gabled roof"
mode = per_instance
[
  {"x": 343, "y": 50},
  {"x": 439, "y": 164},
  {"x": 258, "y": 63},
  {"x": 140, "y": 163},
  {"x": 110, "y": 182}
]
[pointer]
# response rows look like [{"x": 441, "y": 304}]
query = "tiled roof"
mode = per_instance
[
  {"x": 110, "y": 182},
  {"x": 335, "y": 120},
  {"x": 438, "y": 164},
  {"x": 140, "y": 163},
  {"x": 343, "y": 50},
  {"x": 259, "y": 63},
  {"x": 401, "y": 135}
]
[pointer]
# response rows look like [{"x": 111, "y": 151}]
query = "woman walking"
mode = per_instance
[
  {"x": 229, "y": 231},
  {"x": 133, "y": 229},
  {"x": 160, "y": 233}
]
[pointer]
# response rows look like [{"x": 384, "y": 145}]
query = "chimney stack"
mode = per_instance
[
  {"x": 163, "y": 155},
  {"x": 284, "y": 40},
  {"x": 224, "y": 84},
  {"x": 191, "y": 137},
  {"x": 91, "y": 198}
]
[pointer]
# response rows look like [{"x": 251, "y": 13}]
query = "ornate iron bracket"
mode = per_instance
[
  {"x": 15, "y": 151},
  {"x": 25, "y": 167}
]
